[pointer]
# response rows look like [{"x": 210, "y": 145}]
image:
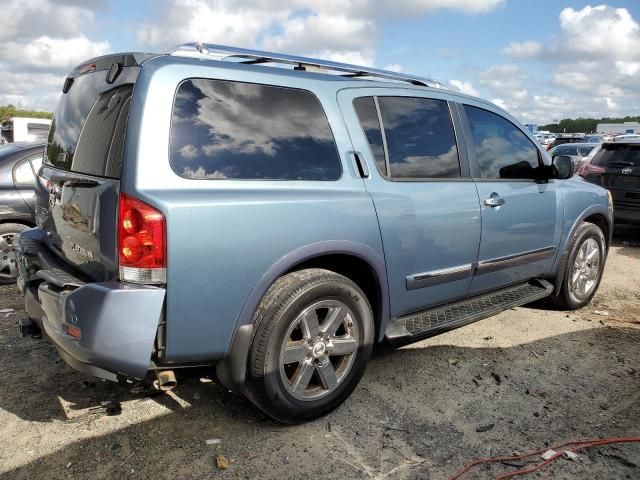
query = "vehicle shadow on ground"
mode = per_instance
[{"x": 416, "y": 408}]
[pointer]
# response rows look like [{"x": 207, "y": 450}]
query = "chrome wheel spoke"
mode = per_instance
[
  {"x": 327, "y": 375},
  {"x": 343, "y": 346},
  {"x": 295, "y": 352},
  {"x": 302, "y": 377},
  {"x": 334, "y": 320},
  {"x": 310, "y": 324}
]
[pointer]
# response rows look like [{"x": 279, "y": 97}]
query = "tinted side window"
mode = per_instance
[
  {"x": 503, "y": 150},
  {"x": 368, "y": 115},
  {"x": 420, "y": 138},
  {"x": 224, "y": 129}
]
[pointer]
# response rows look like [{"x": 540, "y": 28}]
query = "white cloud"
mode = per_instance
[
  {"x": 46, "y": 53},
  {"x": 592, "y": 67},
  {"x": 394, "y": 67},
  {"x": 601, "y": 31},
  {"x": 464, "y": 87},
  {"x": 50, "y": 37},
  {"x": 527, "y": 49}
]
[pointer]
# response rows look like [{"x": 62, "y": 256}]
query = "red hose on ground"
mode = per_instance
[{"x": 576, "y": 445}]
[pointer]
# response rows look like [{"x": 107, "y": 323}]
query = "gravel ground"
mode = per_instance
[{"x": 531, "y": 377}]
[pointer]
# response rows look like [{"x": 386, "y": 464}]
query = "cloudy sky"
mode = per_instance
[{"x": 542, "y": 60}]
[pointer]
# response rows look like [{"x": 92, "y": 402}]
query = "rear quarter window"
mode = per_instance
[{"x": 232, "y": 130}]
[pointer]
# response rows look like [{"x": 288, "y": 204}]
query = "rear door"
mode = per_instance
[
  {"x": 77, "y": 199},
  {"x": 427, "y": 206},
  {"x": 521, "y": 217},
  {"x": 618, "y": 172}
]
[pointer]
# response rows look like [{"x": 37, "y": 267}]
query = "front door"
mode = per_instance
[
  {"x": 427, "y": 206},
  {"x": 521, "y": 217}
]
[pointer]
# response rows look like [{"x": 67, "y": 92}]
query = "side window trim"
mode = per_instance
[
  {"x": 476, "y": 176},
  {"x": 383, "y": 133}
]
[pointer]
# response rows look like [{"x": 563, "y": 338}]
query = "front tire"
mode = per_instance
[
  {"x": 584, "y": 267},
  {"x": 313, "y": 338}
]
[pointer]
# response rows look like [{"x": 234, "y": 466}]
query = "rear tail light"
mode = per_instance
[
  {"x": 142, "y": 242},
  {"x": 586, "y": 168}
]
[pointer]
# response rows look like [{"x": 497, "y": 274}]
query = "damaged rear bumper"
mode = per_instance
[{"x": 105, "y": 329}]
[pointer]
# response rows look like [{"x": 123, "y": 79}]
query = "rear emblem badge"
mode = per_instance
[{"x": 626, "y": 170}]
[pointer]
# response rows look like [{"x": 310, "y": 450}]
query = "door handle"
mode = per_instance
[{"x": 494, "y": 200}]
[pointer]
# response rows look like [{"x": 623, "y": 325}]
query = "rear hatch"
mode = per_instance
[
  {"x": 616, "y": 167},
  {"x": 77, "y": 193}
]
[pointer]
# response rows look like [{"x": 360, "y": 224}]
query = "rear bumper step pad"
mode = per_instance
[{"x": 436, "y": 320}]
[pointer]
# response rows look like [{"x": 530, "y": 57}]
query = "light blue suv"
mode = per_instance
[{"x": 213, "y": 207}]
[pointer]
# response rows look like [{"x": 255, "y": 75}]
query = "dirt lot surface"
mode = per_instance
[{"x": 530, "y": 377}]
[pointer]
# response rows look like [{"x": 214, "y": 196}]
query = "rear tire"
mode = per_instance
[
  {"x": 8, "y": 266},
  {"x": 313, "y": 338},
  {"x": 584, "y": 267}
]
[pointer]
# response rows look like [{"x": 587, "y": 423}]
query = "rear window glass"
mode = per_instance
[
  {"x": 566, "y": 150},
  {"x": 232, "y": 130},
  {"x": 618, "y": 155},
  {"x": 88, "y": 129}
]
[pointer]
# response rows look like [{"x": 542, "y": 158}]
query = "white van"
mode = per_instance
[{"x": 23, "y": 129}]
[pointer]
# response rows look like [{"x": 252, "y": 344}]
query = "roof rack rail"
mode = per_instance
[{"x": 223, "y": 52}]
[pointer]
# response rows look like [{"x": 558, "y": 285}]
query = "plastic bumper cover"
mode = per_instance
[{"x": 117, "y": 322}]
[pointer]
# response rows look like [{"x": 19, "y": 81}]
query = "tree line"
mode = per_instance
[
  {"x": 8, "y": 111},
  {"x": 583, "y": 125}
]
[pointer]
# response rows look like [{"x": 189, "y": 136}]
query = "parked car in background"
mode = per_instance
[
  {"x": 276, "y": 223},
  {"x": 23, "y": 129},
  {"x": 577, "y": 151},
  {"x": 594, "y": 139},
  {"x": 616, "y": 167},
  {"x": 565, "y": 139},
  {"x": 18, "y": 164},
  {"x": 625, "y": 137}
]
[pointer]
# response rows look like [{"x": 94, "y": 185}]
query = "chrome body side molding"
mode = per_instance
[{"x": 460, "y": 272}]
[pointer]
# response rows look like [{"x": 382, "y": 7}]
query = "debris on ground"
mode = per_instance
[
  {"x": 548, "y": 454},
  {"x": 6, "y": 310},
  {"x": 452, "y": 362},
  {"x": 213, "y": 441},
  {"x": 569, "y": 455},
  {"x": 604, "y": 313},
  {"x": 222, "y": 462},
  {"x": 485, "y": 428},
  {"x": 137, "y": 390},
  {"x": 108, "y": 408},
  {"x": 496, "y": 377}
]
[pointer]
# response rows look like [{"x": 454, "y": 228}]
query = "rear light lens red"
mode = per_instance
[{"x": 142, "y": 242}]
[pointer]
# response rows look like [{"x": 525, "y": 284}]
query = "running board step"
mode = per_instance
[{"x": 426, "y": 323}]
